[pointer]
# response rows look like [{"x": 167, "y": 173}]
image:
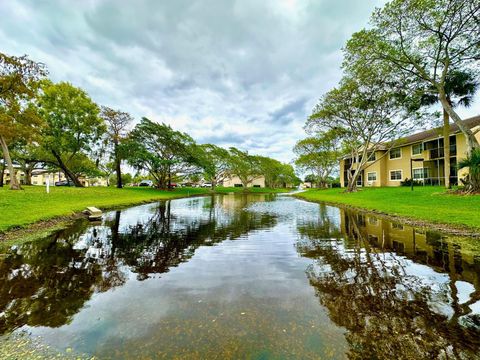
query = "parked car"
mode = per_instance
[
  {"x": 146, "y": 183},
  {"x": 172, "y": 185},
  {"x": 206, "y": 185},
  {"x": 64, "y": 183}
]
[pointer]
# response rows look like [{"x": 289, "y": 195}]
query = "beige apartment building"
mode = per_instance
[
  {"x": 40, "y": 177},
  {"x": 235, "y": 181},
  {"x": 423, "y": 151}
]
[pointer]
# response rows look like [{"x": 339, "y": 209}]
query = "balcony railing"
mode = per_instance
[{"x": 439, "y": 152}]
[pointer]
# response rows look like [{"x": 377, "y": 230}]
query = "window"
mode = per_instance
[
  {"x": 373, "y": 220},
  {"x": 417, "y": 149},
  {"x": 420, "y": 173},
  {"x": 397, "y": 226},
  {"x": 371, "y": 156},
  {"x": 372, "y": 176},
  {"x": 395, "y": 153},
  {"x": 396, "y": 175}
]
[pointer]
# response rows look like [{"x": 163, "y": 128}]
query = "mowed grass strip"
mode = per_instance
[
  {"x": 427, "y": 203},
  {"x": 24, "y": 207}
]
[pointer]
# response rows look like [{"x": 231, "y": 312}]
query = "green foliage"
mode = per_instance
[
  {"x": 319, "y": 155},
  {"x": 245, "y": 166},
  {"x": 127, "y": 178},
  {"x": 472, "y": 162},
  {"x": 408, "y": 182},
  {"x": 276, "y": 173},
  {"x": 117, "y": 122},
  {"x": 19, "y": 77},
  {"x": 215, "y": 162},
  {"x": 364, "y": 113},
  {"x": 73, "y": 127},
  {"x": 422, "y": 43},
  {"x": 160, "y": 150}
]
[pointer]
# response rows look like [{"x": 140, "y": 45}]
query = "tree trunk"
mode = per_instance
[
  {"x": 169, "y": 185},
  {"x": 68, "y": 174},
  {"x": 2, "y": 173},
  {"x": 446, "y": 148},
  {"x": 28, "y": 175},
  {"x": 118, "y": 168},
  {"x": 472, "y": 142},
  {"x": 14, "y": 185}
]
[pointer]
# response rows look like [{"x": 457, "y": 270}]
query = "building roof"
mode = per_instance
[{"x": 436, "y": 132}]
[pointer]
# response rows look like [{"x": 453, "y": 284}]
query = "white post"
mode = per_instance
[{"x": 48, "y": 183}]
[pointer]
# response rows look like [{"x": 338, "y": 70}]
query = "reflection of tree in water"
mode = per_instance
[
  {"x": 388, "y": 311},
  {"x": 166, "y": 239},
  {"x": 46, "y": 282}
]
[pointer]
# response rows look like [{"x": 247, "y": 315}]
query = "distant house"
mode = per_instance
[
  {"x": 423, "y": 151},
  {"x": 235, "y": 181},
  {"x": 40, "y": 176}
]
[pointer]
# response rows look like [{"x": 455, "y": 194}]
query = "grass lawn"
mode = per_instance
[
  {"x": 21, "y": 208},
  {"x": 424, "y": 203}
]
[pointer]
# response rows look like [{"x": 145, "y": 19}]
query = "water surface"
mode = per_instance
[{"x": 244, "y": 276}]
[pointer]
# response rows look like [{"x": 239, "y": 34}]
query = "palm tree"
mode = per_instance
[
  {"x": 473, "y": 163},
  {"x": 460, "y": 87}
]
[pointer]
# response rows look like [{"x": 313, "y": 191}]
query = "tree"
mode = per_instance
[
  {"x": 27, "y": 155},
  {"x": 117, "y": 123},
  {"x": 311, "y": 178},
  {"x": 215, "y": 162},
  {"x": 19, "y": 77},
  {"x": 424, "y": 40},
  {"x": 276, "y": 173},
  {"x": 107, "y": 169},
  {"x": 73, "y": 127},
  {"x": 245, "y": 166},
  {"x": 319, "y": 155},
  {"x": 460, "y": 88},
  {"x": 472, "y": 162},
  {"x": 160, "y": 150},
  {"x": 367, "y": 112},
  {"x": 286, "y": 176}
]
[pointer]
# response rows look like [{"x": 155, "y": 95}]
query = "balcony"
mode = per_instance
[{"x": 438, "y": 153}]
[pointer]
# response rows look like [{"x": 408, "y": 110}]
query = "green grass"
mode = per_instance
[
  {"x": 21, "y": 208},
  {"x": 430, "y": 204}
]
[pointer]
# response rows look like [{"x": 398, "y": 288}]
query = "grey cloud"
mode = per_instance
[{"x": 289, "y": 111}]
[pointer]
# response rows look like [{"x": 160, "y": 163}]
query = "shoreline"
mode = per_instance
[
  {"x": 448, "y": 229},
  {"x": 43, "y": 228},
  {"x": 46, "y": 227}
]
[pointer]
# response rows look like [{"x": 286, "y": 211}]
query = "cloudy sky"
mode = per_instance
[{"x": 242, "y": 73}]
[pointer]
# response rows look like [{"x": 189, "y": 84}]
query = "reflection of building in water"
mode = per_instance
[
  {"x": 239, "y": 201},
  {"x": 398, "y": 293},
  {"x": 422, "y": 246}
]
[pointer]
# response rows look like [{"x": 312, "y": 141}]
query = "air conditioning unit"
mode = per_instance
[{"x": 370, "y": 183}]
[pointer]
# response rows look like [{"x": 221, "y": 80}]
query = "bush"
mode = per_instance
[
  {"x": 408, "y": 182},
  {"x": 472, "y": 162}
]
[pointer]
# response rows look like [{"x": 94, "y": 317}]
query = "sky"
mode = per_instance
[{"x": 243, "y": 73}]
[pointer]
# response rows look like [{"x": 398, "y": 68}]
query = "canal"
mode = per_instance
[{"x": 242, "y": 276}]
